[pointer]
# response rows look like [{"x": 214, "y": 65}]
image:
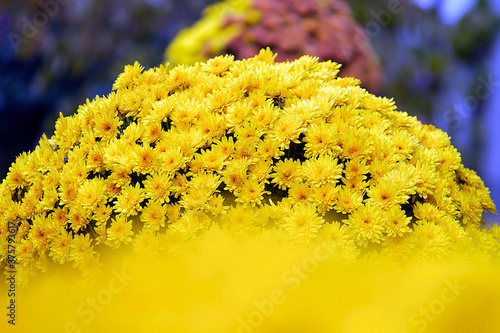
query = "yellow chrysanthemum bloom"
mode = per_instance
[
  {"x": 154, "y": 215},
  {"x": 120, "y": 231},
  {"x": 303, "y": 222},
  {"x": 129, "y": 200},
  {"x": 286, "y": 172}
]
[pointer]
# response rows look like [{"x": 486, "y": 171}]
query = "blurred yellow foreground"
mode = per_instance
[{"x": 262, "y": 284}]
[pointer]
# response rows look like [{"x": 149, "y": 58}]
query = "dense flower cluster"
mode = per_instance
[
  {"x": 291, "y": 28},
  {"x": 244, "y": 146}
]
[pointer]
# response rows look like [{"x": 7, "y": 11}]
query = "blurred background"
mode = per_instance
[{"x": 439, "y": 59}]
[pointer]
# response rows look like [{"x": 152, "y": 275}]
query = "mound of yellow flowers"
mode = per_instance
[{"x": 229, "y": 173}]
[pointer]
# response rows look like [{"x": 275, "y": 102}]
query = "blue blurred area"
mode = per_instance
[
  {"x": 450, "y": 11},
  {"x": 490, "y": 158},
  {"x": 23, "y": 104}
]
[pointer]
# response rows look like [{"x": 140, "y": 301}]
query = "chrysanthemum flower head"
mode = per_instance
[
  {"x": 120, "y": 231},
  {"x": 303, "y": 223},
  {"x": 244, "y": 145}
]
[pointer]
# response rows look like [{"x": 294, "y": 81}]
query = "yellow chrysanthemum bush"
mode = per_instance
[{"x": 247, "y": 196}]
